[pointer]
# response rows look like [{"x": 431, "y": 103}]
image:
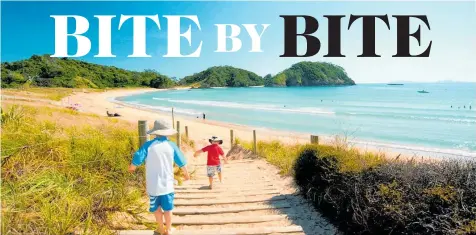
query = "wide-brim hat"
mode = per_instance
[
  {"x": 215, "y": 139},
  {"x": 162, "y": 128}
]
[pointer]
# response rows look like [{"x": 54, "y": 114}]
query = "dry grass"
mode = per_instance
[
  {"x": 55, "y": 94},
  {"x": 63, "y": 171}
]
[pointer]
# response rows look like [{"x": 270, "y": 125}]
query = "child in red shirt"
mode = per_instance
[{"x": 214, "y": 152}]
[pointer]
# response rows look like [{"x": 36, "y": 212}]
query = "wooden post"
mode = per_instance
[
  {"x": 173, "y": 118},
  {"x": 232, "y": 140},
  {"x": 186, "y": 131},
  {"x": 314, "y": 139},
  {"x": 179, "y": 140},
  {"x": 143, "y": 137},
  {"x": 255, "y": 149}
]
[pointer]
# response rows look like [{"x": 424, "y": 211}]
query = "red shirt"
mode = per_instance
[{"x": 213, "y": 154}]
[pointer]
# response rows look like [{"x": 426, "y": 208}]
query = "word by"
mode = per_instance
[{"x": 139, "y": 35}]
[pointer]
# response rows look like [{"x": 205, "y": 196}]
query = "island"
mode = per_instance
[
  {"x": 310, "y": 74},
  {"x": 222, "y": 76}
]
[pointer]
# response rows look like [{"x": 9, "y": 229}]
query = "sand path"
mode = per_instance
[{"x": 252, "y": 199}]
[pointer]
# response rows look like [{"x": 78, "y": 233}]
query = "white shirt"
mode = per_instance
[{"x": 159, "y": 154}]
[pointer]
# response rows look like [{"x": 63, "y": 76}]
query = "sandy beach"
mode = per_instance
[{"x": 200, "y": 130}]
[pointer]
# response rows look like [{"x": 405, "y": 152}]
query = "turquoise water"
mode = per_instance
[{"x": 373, "y": 113}]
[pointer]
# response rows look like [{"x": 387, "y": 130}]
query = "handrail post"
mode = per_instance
[
  {"x": 143, "y": 127},
  {"x": 179, "y": 140},
  {"x": 314, "y": 139},
  {"x": 255, "y": 149}
]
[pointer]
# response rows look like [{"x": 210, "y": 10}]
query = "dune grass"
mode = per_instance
[
  {"x": 63, "y": 171},
  {"x": 55, "y": 94}
]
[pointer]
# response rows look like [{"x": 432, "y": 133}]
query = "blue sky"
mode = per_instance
[{"x": 28, "y": 29}]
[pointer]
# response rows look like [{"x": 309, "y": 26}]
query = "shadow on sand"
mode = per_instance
[{"x": 300, "y": 212}]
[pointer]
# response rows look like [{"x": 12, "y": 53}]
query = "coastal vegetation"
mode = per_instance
[
  {"x": 366, "y": 193},
  {"x": 46, "y": 71},
  {"x": 310, "y": 74},
  {"x": 65, "y": 171},
  {"x": 223, "y": 76}
]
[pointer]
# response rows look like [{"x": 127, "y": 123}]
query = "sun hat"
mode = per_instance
[
  {"x": 162, "y": 128},
  {"x": 215, "y": 139}
]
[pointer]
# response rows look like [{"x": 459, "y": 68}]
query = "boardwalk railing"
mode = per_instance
[{"x": 143, "y": 137}]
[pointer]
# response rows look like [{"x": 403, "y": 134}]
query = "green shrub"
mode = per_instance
[{"x": 364, "y": 194}]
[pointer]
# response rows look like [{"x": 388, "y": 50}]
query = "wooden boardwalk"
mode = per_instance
[{"x": 250, "y": 201}]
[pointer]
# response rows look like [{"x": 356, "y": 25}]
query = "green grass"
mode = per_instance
[
  {"x": 60, "y": 177},
  {"x": 284, "y": 155}
]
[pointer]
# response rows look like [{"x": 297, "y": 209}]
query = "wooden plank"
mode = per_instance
[
  {"x": 221, "y": 195},
  {"x": 231, "y": 162},
  {"x": 222, "y": 210},
  {"x": 219, "y": 219},
  {"x": 218, "y": 190},
  {"x": 231, "y": 186},
  {"x": 225, "y": 231},
  {"x": 226, "y": 181},
  {"x": 192, "y": 202}
]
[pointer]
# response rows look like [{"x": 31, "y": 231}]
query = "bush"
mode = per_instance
[{"x": 364, "y": 194}]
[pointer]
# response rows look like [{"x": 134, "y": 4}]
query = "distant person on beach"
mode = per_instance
[
  {"x": 214, "y": 152},
  {"x": 203, "y": 116},
  {"x": 159, "y": 155}
]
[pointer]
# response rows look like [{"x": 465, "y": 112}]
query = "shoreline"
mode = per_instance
[{"x": 200, "y": 130}]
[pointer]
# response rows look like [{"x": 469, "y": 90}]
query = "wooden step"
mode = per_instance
[
  {"x": 218, "y": 190},
  {"x": 225, "y": 186},
  {"x": 220, "y": 220},
  {"x": 232, "y": 162},
  {"x": 192, "y": 202},
  {"x": 243, "y": 180},
  {"x": 222, "y": 195},
  {"x": 222, "y": 210},
  {"x": 227, "y": 231},
  {"x": 202, "y": 182}
]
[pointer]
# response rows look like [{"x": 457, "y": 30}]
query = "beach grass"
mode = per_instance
[{"x": 64, "y": 171}]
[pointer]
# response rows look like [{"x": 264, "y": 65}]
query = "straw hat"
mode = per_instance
[
  {"x": 215, "y": 139},
  {"x": 162, "y": 128}
]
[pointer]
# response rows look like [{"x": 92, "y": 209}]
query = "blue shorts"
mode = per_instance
[{"x": 166, "y": 202}]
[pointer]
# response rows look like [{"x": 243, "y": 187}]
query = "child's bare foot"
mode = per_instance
[
  {"x": 170, "y": 231},
  {"x": 210, "y": 186}
]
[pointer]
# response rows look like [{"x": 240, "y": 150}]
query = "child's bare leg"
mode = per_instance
[
  {"x": 168, "y": 221},
  {"x": 210, "y": 180},
  {"x": 219, "y": 176},
  {"x": 160, "y": 220}
]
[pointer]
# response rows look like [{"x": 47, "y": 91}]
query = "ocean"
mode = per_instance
[{"x": 443, "y": 120}]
